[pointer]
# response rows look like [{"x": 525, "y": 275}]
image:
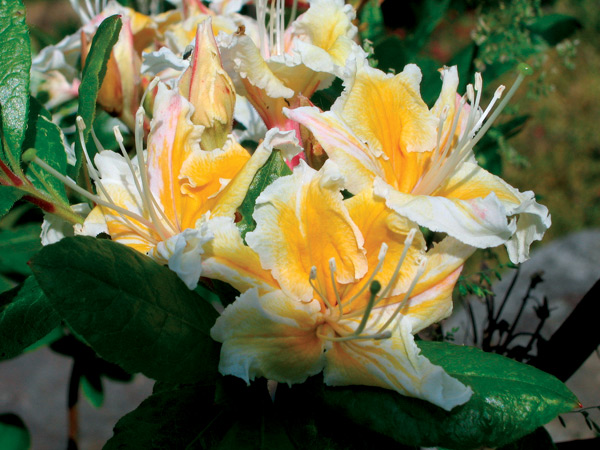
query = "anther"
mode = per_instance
[
  {"x": 470, "y": 93},
  {"x": 332, "y": 265},
  {"x": 382, "y": 251},
  {"x": 478, "y": 81}
]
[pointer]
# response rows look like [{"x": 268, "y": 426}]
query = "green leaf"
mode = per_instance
[
  {"x": 429, "y": 14},
  {"x": 92, "y": 76},
  {"x": 13, "y": 433},
  {"x": 26, "y": 316},
  {"x": 171, "y": 418},
  {"x": 274, "y": 168},
  {"x": 15, "y": 64},
  {"x": 553, "y": 28},
  {"x": 8, "y": 196},
  {"x": 510, "y": 400},
  {"x": 6, "y": 284},
  {"x": 129, "y": 309},
  {"x": 45, "y": 137},
  {"x": 372, "y": 19},
  {"x": 17, "y": 246}
]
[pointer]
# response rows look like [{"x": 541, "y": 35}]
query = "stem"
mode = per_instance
[
  {"x": 16, "y": 167},
  {"x": 72, "y": 399},
  {"x": 510, "y": 288}
]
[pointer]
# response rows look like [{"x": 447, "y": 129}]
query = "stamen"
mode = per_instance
[
  {"x": 294, "y": 11},
  {"x": 139, "y": 137},
  {"x": 470, "y": 93},
  {"x": 381, "y": 257},
  {"x": 119, "y": 139},
  {"x": 272, "y": 26},
  {"x": 374, "y": 290},
  {"x": 149, "y": 88},
  {"x": 332, "y": 269},
  {"x": 406, "y": 296},
  {"x": 407, "y": 244},
  {"x": 96, "y": 199},
  {"x": 313, "y": 276},
  {"x": 261, "y": 13},
  {"x": 495, "y": 98}
]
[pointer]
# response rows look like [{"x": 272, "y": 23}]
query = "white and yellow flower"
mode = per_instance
[
  {"x": 290, "y": 62},
  {"x": 192, "y": 168},
  {"x": 333, "y": 285},
  {"x": 421, "y": 161}
]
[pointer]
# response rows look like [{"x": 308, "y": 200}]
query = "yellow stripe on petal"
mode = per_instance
[
  {"x": 301, "y": 223},
  {"x": 388, "y": 113},
  {"x": 173, "y": 137}
]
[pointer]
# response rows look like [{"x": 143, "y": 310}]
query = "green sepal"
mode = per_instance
[{"x": 132, "y": 311}]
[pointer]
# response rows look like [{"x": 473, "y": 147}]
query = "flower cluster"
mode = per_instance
[{"x": 336, "y": 277}]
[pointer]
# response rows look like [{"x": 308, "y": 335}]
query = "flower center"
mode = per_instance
[{"x": 338, "y": 319}]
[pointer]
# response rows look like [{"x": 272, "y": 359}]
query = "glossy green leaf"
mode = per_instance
[
  {"x": 13, "y": 433},
  {"x": 172, "y": 418},
  {"x": 17, "y": 246},
  {"x": 92, "y": 76},
  {"x": 129, "y": 309},
  {"x": 274, "y": 168},
  {"x": 510, "y": 400},
  {"x": 553, "y": 28},
  {"x": 15, "y": 64},
  {"x": 8, "y": 196},
  {"x": 45, "y": 137},
  {"x": 26, "y": 316}
]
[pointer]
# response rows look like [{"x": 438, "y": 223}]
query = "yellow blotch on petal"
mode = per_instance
[{"x": 387, "y": 112}]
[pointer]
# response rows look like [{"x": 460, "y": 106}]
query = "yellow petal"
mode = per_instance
[
  {"x": 206, "y": 175},
  {"x": 270, "y": 336},
  {"x": 228, "y": 259},
  {"x": 388, "y": 113},
  {"x": 301, "y": 223}
]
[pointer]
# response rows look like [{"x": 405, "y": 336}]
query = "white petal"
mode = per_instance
[{"x": 183, "y": 253}]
